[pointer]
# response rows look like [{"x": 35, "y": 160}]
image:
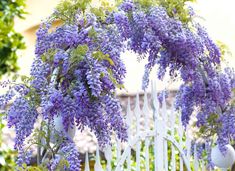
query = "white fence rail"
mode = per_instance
[{"x": 157, "y": 141}]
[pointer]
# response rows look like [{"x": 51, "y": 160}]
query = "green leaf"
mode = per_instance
[
  {"x": 78, "y": 53},
  {"x": 44, "y": 58},
  {"x": 114, "y": 81},
  {"x": 92, "y": 33},
  {"x": 100, "y": 56},
  {"x": 24, "y": 78},
  {"x": 63, "y": 163},
  {"x": 82, "y": 50},
  {"x": 24, "y": 165}
]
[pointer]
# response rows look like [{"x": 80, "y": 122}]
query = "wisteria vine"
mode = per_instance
[{"x": 77, "y": 69}]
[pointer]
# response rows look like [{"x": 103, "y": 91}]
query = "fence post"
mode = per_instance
[
  {"x": 108, "y": 156},
  {"x": 147, "y": 129},
  {"x": 158, "y": 129},
  {"x": 196, "y": 163},
  {"x": 87, "y": 167},
  {"x": 98, "y": 166},
  {"x": 129, "y": 124},
  {"x": 137, "y": 114},
  {"x": 165, "y": 122},
  {"x": 172, "y": 129}
]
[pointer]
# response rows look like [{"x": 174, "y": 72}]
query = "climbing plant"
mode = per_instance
[{"x": 77, "y": 69}]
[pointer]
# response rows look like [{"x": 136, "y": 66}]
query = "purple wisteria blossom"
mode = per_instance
[{"x": 77, "y": 68}]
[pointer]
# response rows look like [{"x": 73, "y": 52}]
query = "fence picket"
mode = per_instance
[
  {"x": 173, "y": 164},
  {"x": 87, "y": 167},
  {"x": 138, "y": 144},
  {"x": 98, "y": 166},
  {"x": 118, "y": 149},
  {"x": 180, "y": 131},
  {"x": 172, "y": 129},
  {"x": 147, "y": 128},
  {"x": 108, "y": 156},
  {"x": 158, "y": 128},
  {"x": 203, "y": 166},
  {"x": 129, "y": 124},
  {"x": 129, "y": 119},
  {"x": 195, "y": 163},
  {"x": 188, "y": 145},
  {"x": 165, "y": 121}
]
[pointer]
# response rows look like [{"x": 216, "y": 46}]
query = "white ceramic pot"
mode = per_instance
[{"x": 223, "y": 161}]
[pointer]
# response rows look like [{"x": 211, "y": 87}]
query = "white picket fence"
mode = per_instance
[{"x": 161, "y": 147}]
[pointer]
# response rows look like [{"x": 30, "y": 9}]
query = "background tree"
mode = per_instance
[
  {"x": 10, "y": 40},
  {"x": 10, "y": 43}
]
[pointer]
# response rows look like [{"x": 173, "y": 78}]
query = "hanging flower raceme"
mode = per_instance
[
  {"x": 22, "y": 116},
  {"x": 68, "y": 153}
]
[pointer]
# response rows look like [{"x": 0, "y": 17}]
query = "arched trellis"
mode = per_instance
[{"x": 161, "y": 136}]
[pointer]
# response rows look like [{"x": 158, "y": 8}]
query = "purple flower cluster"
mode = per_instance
[
  {"x": 22, "y": 116},
  {"x": 83, "y": 60},
  {"x": 68, "y": 112},
  {"x": 204, "y": 150},
  {"x": 93, "y": 77},
  {"x": 189, "y": 52},
  {"x": 122, "y": 22},
  {"x": 51, "y": 103},
  {"x": 62, "y": 37},
  {"x": 40, "y": 72},
  {"x": 5, "y": 98},
  {"x": 53, "y": 165},
  {"x": 213, "y": 99},
  {"x": 127, "y": 6},
  {"x": 24, "y": 157},
  {"x": 72, "y": 156},
  {"x": 69, "y": 153}
]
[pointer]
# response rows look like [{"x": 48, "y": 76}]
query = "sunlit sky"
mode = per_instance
[{"x": 218, "y": 17}]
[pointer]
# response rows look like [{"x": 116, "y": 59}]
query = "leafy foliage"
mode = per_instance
[{"x": 10, "y": 41}]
